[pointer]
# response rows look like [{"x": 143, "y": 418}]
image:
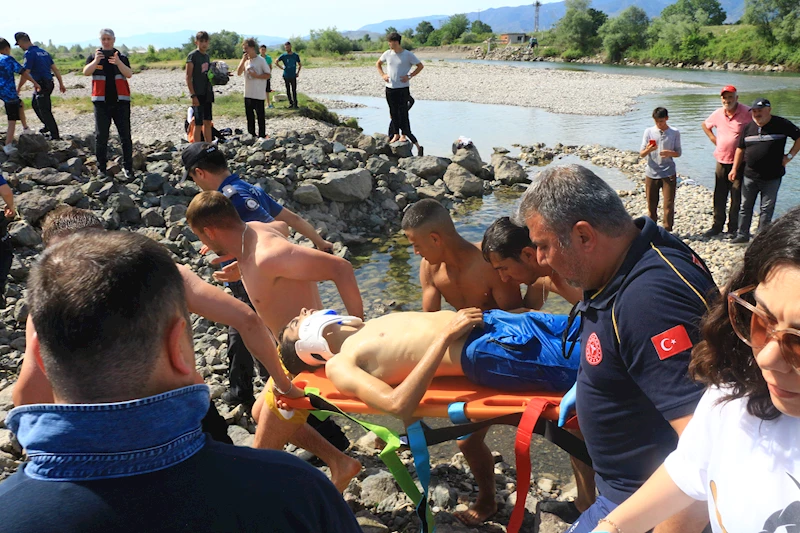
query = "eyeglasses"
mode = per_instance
[{"x": 756, "y": 328}]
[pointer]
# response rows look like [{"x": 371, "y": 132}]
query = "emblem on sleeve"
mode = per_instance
[
  {"x": 251, "y": 204},
  {"x": 673, "y": 341},
  {"x": 594, "y": 352}
]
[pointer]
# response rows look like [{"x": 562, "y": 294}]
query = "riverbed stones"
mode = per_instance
[
  {"x": 23, "y": 234},
  {"x": 346, "y": 186},
  {"x": 401, "y": 149},
  {"x": 46, "y": 176},
  {"x": 461, "y": 182},
  {"x": 507, "y": 171},
  {"x": 468, "y": 158},
  {"x": 346, "y": 136},
  {"x": 428, "y": 167},
  {"x": 307, "y": 194},
  {"x": 32, "y": 143},
  {"x": 35, "y": 204},
  {"x": 377, "y": 487}
]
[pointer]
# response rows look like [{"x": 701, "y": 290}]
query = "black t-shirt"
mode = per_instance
[
  {"x": 200, "y": 81},
  {"x": 220, "y": 488},
  {"x": 763, "y": 148},
  {"x": 110, "y": 71}
]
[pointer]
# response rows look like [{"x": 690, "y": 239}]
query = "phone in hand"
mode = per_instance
[
  {"x": 652, "y": 142},
  {"x": 108, "y": 53}
]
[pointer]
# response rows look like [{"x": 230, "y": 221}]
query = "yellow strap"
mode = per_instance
[{"x": 680, "y": 275}]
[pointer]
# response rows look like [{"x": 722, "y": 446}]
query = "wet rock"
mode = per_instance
[
  {"x": 346, "y": 186},
  {"x": 307, "y": 194},
  {"x": 461, "y": 182}
]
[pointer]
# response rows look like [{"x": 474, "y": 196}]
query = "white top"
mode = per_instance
[
  {"x": 746, "y": 468},
  {"x": 397, "y": 66},
  {"x": 253, "y": 87}
]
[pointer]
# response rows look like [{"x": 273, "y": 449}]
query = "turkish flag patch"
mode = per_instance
[{"x": 673, "y": 341}]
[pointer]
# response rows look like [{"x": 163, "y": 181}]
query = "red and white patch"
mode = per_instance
[
  {"x": 594, "y": 352},
  {"x": 673, "y": 341},
  {"x": 696, "y": 261}
]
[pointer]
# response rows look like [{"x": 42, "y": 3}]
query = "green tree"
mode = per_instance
[
  {"x": 576, "y": 29},
  {"x": 454, "y": 27},
  {"x": 224, "y": 44},
  {"x": 435, "y": 38},
  {"x": 329, "y": 40},
  {"x": 628, "y": 30},
  {"x": 712, "y": 8},
  {"x": 391, "y": 29},
  {"x": 480, "y": 27},
  {"x": 408, "y": 34},
  {"x": 598, "y": 19},
  {"x": 777, "y": 19},
  {"x": 423, "y": 30}
]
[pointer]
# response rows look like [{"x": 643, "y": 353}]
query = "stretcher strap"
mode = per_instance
[
  {"x": 522, "y": 451},
  {"x": 422, "y": 463},
  {"x": 457, "y": 412},
  {"x": 388, "y": 455}
]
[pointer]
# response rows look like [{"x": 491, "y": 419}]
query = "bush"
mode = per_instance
[
  {"x": 549, "y": 51},
  {"x": 470, "y": 38},
  {"x": 572, "y": 54},
  {"x": 329, "y": 41}
]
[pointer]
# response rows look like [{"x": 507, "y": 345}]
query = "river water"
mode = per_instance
[{"x": 388, "y": 271}]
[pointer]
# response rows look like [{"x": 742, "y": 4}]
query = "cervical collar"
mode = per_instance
[{"x": 311, "y": 346}]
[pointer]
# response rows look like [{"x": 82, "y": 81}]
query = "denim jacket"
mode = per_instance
[{"x": 83, "y": 442}]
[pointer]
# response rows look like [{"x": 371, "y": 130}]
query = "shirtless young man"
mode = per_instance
[
  {"x": 509, "y": 249},
  {"x": 452, "y": 266},
  {"x": 280, "y": 279},
  {"x": 389, "y": 369}
]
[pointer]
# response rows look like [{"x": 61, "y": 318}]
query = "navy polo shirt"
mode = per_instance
[
  {"x": 636, "y": 339},
  {"x": 38, "y": 62},
  {"x": 250, "y": 201}
]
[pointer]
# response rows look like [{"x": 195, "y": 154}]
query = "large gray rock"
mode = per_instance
[
  {"x": 428, "y": 167},
  {"x": 346, "y": 185},
  {"x": 152, "y": 218},
  {"x": 468, "y": 158},
  {"x": 175, "y": 213},
  {"x": 46, "y": 176},
  {"x": 153, "y": 181},
  {"x": 461, "y": 182},
  {"x": 401, "y": 149},
  {"x": 508, "y": 171},
  {"x": 377, "y": 487},
  {"x": 379, "y": 165},
  {"x": 346, "y": 136},
  {"x": 70, "y": 195},
  {"x": 35, "y": 204},
  {"x": 307, "y": 194},
  {"x": 120, "y": 202},
  {"x": 73, "y": 165},
  {"x": 32, "y": 143},
  {"x": 240, "y": 436},
  {"x": 314, "y": 156},
  {"x": 23, "y": 234},
  {"x": 437, "y": 191}
]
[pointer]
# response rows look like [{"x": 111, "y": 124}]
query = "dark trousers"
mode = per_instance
[
  {"x": 43, "y": 107},
  {"x": 722, "y": 187},
  {"x": 6, "y": 258},
  {"x": 291, "y": 90},
  {"x": 651, "y": 190},
  {"x": 120, "y": 114},
  {"x": 215, "y": 425},
  {"x": 241, "y": 371},
  {"x": 255, "y": 108},
  {"x": 399, "y": 100},
  {"x": 769, "y": 195}
]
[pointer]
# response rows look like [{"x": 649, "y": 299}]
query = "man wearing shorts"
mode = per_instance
[
  {"x": 8, "y": 91},
  {"x": 197, "y": 64}
]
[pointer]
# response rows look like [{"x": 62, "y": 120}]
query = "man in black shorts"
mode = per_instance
[{"x": 197, "y": 64}]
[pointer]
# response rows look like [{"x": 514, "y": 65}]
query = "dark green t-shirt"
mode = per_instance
[
  {"x": 290, "y": 62},
  {"x": 200, "y": 81}
]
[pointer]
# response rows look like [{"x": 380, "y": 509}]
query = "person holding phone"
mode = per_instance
[
  {"x": 256, "y": 75},
  {"x": 660, "y": 145},
  {"x": 111, "y": 96}
]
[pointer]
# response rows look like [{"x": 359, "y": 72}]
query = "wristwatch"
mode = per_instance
[{"x": 789, "y": 156}]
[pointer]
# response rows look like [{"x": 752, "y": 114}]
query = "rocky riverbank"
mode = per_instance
[
  {"x": 352, "y": 188},
  {"x": 523, "y": 53}
]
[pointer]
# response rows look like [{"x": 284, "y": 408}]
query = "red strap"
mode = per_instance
[{"x": 522, "y": 450}]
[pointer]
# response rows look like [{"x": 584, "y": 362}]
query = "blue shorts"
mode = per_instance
[
  {"x": 586, "y": 523},
  {"x": 520, "y": 352}
]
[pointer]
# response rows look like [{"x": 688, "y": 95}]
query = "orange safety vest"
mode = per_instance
[{"x": 99, "y": 84}]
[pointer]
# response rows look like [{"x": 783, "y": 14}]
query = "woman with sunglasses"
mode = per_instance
[{"x": 741, "y": 451}]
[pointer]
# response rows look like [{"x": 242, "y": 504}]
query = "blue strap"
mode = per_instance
[
  {"x": 422, "y": 463},
  {"x": 457, "y": 411}
]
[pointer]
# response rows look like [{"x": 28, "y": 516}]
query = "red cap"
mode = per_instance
[{"x": 727, "y": 89}]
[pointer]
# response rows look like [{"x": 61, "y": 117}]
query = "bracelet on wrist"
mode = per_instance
[
  {"x": 282, "y": 392},
  {"x": 610, "y": 523}
]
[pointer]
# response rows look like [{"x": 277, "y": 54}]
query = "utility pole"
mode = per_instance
[{"x": 537, "y": 4}]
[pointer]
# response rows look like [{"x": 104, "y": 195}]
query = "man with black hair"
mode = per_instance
[
  {"x": 122, "y": 449},
  {"x": 111, "y": 96},
  {"x": 660, "y": 145},
  {"x": 201, "y": 92},
  {"x": 41, "y": 68},
  {"x": 398, "y": 94},
  {"x": 289, "y": 62}
]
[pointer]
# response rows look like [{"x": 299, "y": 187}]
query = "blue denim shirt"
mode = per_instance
[{"x": 82, "y": 442}]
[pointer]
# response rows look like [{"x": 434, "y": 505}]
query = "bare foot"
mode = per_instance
[
  {"x": 343, "y": 470},
  {"x": 403, "y": 138},
  {"x": 477, "y": 513},
  {"x": 394, "y": 139}
]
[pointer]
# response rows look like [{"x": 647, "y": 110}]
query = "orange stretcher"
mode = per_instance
[{"x": 481, "y": 403}]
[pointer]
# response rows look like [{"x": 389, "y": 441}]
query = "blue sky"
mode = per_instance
[{"x": 78, "y": 21}]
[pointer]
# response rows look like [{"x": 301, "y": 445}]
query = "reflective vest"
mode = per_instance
[{"x": 99, "y": 83}]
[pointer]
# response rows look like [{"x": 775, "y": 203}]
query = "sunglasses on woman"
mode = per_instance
[{"x": 756, "y": 328}]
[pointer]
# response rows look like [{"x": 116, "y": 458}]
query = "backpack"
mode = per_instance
[{"x": 218, "y": 73}]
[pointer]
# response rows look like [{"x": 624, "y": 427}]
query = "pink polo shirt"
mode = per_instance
[{"x": 728, "y": 131}]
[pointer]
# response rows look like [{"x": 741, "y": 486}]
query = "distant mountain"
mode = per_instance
[
  {"x": 521, "y": 18},
  {"x": 171, "y": 39}
]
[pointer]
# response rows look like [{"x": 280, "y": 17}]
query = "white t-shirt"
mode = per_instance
[
  {"x": 253, "y": 87},
  {"x": 397, "y": 66},
  {"x": 746, "y": 468}
]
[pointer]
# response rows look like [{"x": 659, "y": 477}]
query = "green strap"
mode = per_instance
[{"x": 389, "y": 453}]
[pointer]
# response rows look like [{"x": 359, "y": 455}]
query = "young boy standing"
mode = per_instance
[
  {"x": 200, "y": 90},
  {"x": 660, "y": 145},
  {"x": 268, "y": 59},
  {"x": 8, "y": 91}
]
